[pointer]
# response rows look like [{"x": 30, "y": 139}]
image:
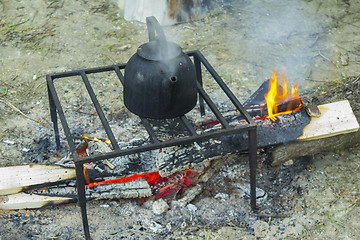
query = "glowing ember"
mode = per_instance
[
  {"x": 278, "y": 95},
  {"x": 162, "y": 187},
  {"x": 150, "y": 177}
]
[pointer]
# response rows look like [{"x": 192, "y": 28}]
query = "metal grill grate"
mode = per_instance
[{"x": 199, "y": 60}]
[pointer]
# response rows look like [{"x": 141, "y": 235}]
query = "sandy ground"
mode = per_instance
[{"x": 313, "y": 41}]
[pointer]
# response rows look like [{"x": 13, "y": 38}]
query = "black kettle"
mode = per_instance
[{"x": 160, "y": 79}]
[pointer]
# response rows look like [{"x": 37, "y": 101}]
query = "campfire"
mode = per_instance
[
  {"x": 179, "y": 142},
  {"x": 167, "y": 165}
]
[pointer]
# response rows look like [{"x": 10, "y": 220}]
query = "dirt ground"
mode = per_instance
[{"x": 313, "y": 41}]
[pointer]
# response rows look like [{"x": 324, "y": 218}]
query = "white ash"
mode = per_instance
[
  {"x": 285, "y": 120},
  {"x": 97, "y": 147},
  {"x": 222, "y": 196},
  {"x": 155, "y": 227},
  {"x": 134, "y": 189},
  {"x": 236, "y": 171}
]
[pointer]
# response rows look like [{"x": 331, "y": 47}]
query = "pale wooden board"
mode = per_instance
[
  {"x": 30, "y": 201},
  {"x": 15, "y": 179},
  {"x": 336, "y": 118}
]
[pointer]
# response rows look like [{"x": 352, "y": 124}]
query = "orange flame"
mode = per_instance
[
  {"x": 278, "y": 94},
  {"x": 97, "y": 139}
]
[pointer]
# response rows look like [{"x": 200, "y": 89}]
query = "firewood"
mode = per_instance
[
  {"x": 335, "y": 119},
  {"x": 325, "y": 133},
  {"x": 18, "y": 178},
  {"x": 283, "y": 153},
  {"x": 31, "y": 201}
]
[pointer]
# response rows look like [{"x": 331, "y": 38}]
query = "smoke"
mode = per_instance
[{"x": 275, "y": 35}]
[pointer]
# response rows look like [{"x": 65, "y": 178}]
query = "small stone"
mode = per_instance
[
  {"x": 183, "y": 225},
  {"x": 192, "y": 207},
  {"x": 160, "y": 206},
  {"x": 288, "y": 162},
  {"x": 344, "y": 59},
  {"x": 9, "y": 142},
  {"x": 168, "y": 227},
  {"x": 25, "y": 149},
  {"x": 313, "y": 111}
]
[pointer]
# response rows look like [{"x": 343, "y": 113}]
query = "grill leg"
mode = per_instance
[
  {"x": 199, "y": 79},
  {"x": 54, "y": 119},
  {"x": 253, "y": 165},
  {"x": 80, "y": 181}
]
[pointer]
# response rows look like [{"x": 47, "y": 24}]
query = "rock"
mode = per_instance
[
  {"x": 244, "y": 190},
  {"x": 192, "y": 207},
  {"x": 344, "y": 59},
  {"x": 160, "y": 206},
  {"x": 183, "y": 225},
  {"x": 288, "y": 162}
]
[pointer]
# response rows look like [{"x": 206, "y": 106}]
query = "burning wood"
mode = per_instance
[
  {"x": 58, "y": 192},
  {"x": 272, "y": 99},
  {"x": 96, "y": 139},
  {"x": 281, "y": 96}
]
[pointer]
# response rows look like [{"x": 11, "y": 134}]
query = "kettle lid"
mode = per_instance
[{"x": 155, "y": 51}]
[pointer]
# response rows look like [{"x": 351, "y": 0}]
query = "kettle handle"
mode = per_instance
[{"x": 154, "y": 26}]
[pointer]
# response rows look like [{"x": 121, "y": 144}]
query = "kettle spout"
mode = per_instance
[
  {"x": 169, "y": 92},
  {"x": 173, "y": 80}
]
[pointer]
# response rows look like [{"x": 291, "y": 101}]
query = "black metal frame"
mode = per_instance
[{"x": 199, "y": 59}]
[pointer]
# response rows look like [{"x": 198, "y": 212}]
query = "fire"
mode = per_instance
[
  {"x": 150, "y": 177},
  {"x": 97, "y": 139},
  {"x": 162, "y": 187},
  {"x": 282, "y": 96}
]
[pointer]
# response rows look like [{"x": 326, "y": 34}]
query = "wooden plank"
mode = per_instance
[
  {"x": 31, "y": 201},
  {"x": 336, "y": 118},
  {"x": 336, "y": 129},
  {"x": 18, "y": 178},
  {"x": 282, "y": 153}
]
